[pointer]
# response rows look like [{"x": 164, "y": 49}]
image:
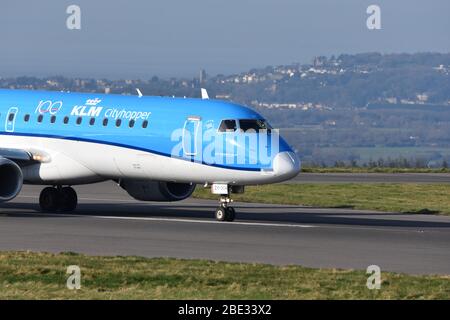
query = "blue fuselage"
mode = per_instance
[{"x": 172, "y": 127}]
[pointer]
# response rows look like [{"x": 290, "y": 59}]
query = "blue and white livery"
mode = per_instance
[{"x": 156, "y": 148}]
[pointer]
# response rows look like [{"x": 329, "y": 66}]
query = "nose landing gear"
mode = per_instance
[
  {"x": 225, "y": 212},
  {"x": 58, "y": 199}
]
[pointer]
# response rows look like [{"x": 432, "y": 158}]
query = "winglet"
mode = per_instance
[
  {"x": 204, "y": 94},
  {"x": 139, "y": 92}
]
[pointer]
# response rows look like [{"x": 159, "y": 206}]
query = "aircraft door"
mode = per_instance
[
  {"x": 11, "y": 117},
  {"x": 190, "y": 136}
]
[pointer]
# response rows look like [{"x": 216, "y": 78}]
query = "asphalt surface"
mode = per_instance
[
  {"x": 371, "y": 178},
  {"x": 108, "y": 222}
]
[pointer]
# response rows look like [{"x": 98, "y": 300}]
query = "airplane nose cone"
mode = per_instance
[{"x": 286, "y": 165}]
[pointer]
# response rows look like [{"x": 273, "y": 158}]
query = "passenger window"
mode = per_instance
[
  {"x": 131, "y": 124},
  {"x": 66, "y": 120},
  {"x": 26, "y": 118},
  {"x": 53, "y": 119},
  {"x": 92, "y": 121},
  {"x": 105, "y": 122},
  {"x": 145, "y": 124},
  {"x": 79, "y": 120},
  {"x": 227, "y": 126},
  {"x": 118, "y": 123},
  {"x": 40, "y": 118},
  {"x": 11, "y": 117}
]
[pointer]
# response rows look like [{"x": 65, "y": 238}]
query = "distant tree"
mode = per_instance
[{"x": 380, "y": 162}]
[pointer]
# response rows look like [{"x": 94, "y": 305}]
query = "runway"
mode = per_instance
[
  {"x": 109, "y": 222},
  {"x": 305, "y": 177}
]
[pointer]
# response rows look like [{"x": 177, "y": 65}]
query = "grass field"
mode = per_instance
[
  {"x": 25, "y": 275},
  {"x": 372, "y": 170},
  {"x": 368, "y": 154},
  {"x": 411, "y": 198}
]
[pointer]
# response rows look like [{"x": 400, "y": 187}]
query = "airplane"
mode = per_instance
[{"x": 155, "y": 148}]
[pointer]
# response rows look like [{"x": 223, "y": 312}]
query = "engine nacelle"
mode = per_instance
[
  {"x": 11, "y": 179},
  {"x": 157, "y": 190}
]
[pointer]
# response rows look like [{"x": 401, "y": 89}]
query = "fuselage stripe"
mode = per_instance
[{"x": 122, "y": 146}]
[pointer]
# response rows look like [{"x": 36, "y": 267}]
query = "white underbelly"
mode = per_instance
[{"x": 78, "y": 162}]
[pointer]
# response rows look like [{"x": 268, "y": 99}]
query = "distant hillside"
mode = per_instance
[
  {"x": 329, "y": 82},
  {"x": 345, "y": 81}
]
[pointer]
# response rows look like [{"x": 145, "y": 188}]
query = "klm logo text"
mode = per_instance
[{"x": 86, "y": 111}]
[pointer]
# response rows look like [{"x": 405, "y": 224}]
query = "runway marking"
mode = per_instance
[{"x": 260, "y": 224}]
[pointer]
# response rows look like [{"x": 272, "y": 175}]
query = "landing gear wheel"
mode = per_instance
[
  {"x": 231, "y": 214},
  {"x": 68, "y": 199},
  {"x": 225, "y": 212},
  {"x": 54, "y": 199},
  {"x": 48, "y": 200},
  {"x": 221, "y": 214}
]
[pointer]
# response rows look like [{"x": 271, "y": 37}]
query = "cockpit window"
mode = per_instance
[
  {"x": 227, "y": 126},
  {"x": 254, "y": 124}
]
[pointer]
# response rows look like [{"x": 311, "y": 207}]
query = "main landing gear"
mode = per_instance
[{"x": 58, "y": 199}]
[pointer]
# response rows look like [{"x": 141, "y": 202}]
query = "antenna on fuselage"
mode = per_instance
[
  {"x": 205, "y": 95},
  {"x": 139, "y": 93}
]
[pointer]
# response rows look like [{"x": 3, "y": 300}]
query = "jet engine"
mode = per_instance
[
  {"x": 11, "y": 180},
  {"x": 157, "y": 190}
]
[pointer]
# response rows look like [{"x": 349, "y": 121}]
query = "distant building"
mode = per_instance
[
  {"x": 319, "y": 61},
  {"x": 223, "y": 96},
  {"x": 392, "y": 100},
  {"x": 202, "y": 76},
  {"x": 422, "y": 98}
]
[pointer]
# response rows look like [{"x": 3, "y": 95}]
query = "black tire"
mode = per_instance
[
  {"x": 68, "y": 199},
  {"x": 221, "y": 214},
  {"x": 231, "y": 214},
  {"x": 48, "y": 200}
]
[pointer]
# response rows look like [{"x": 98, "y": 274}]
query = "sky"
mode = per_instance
[{"x": 141, "y": 38}]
